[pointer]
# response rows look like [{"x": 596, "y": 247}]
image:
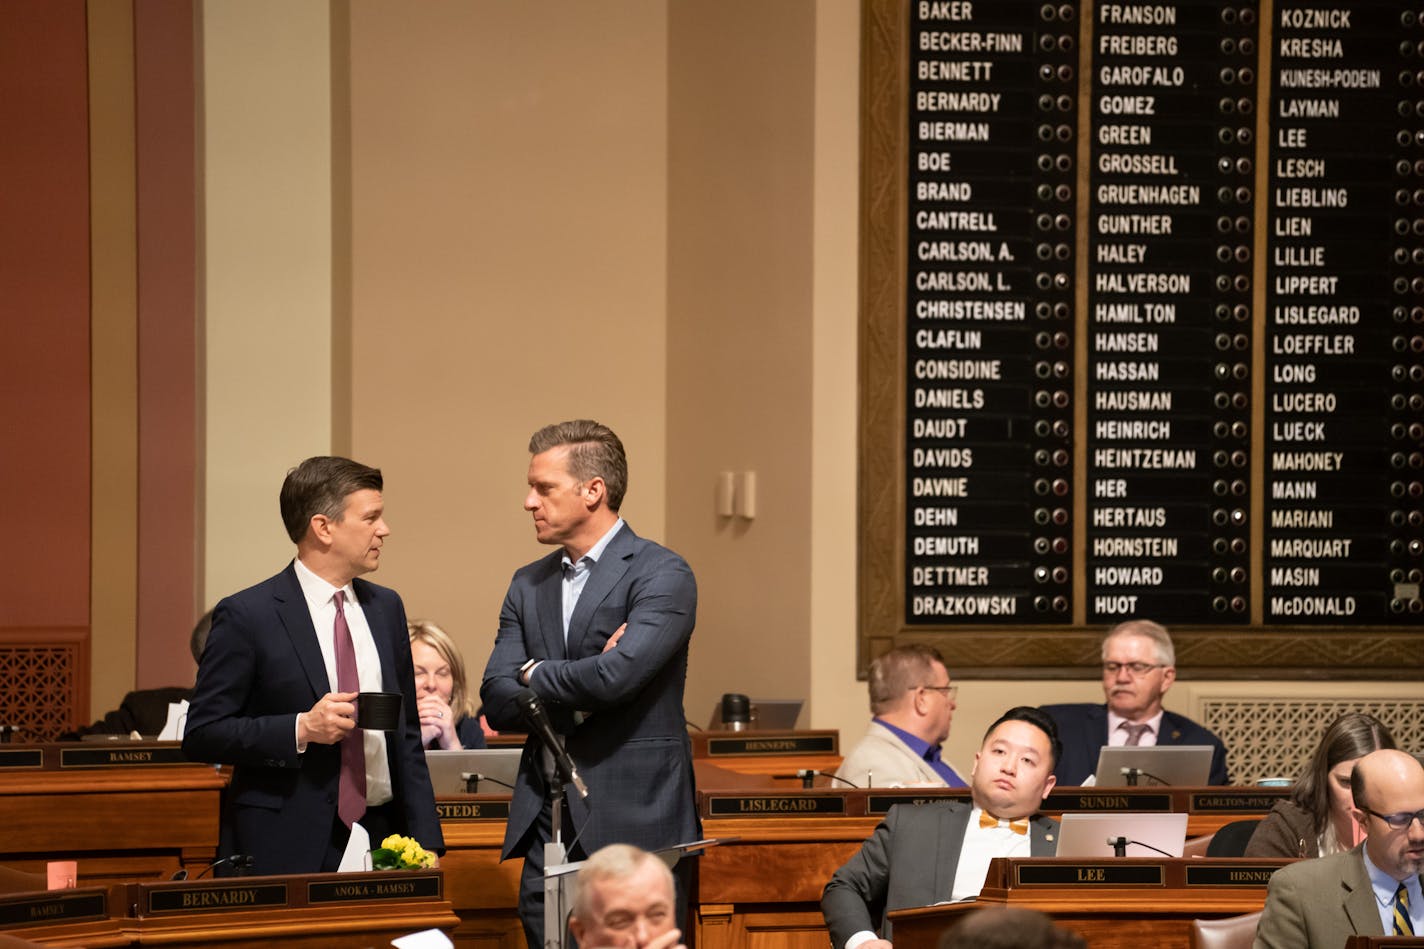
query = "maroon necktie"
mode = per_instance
[{"x": 351, "y": 796}]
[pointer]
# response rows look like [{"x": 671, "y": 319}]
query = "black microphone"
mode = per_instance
[
  {"x": 1119, "y": 845},
  {"x": 808, "y": 777},
  {"x": 241, "y": 862},
  {"x": 538, "y": 721},
  {"x": 472, "y": 781}
]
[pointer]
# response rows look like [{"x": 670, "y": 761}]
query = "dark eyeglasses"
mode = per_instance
[
  {"x": 1135, "y": 669},
  {"x": 1398, "y": 821}
]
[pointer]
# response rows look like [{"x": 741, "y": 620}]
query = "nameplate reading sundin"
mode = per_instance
[
  {"x": 17, "y": 758},
  {"x": 216, "y": 897},
  {"x": 472, "y": 810},
  {"x": 794, "y": 745},
  {"x": 1215, "y": 801},
  {"x": 1098, "y": 874},
  {"x": 767, "y": 805},
  {"x": 50, "y": 908},
  {"x": 120, "y": 757},
  {"x": 1099, "y": 801},
  {"x": 410, "y": 886},
  {"x": 1229, "y": 876}
]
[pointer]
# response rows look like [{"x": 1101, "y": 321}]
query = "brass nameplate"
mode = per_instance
[
  {"x": 51, "y": 908},
  {"x": 413, "y": 886},
  {"x": 1249, "y": 802},
  {"x": 21, "y": 758},
  {"x": 216, "y": 897},
  {"x": 1108, "y": 801},
  {"x": 1229, "y": 876},
  {"x": 1098, "y": 874},
  {"x": 881, "y": 803},
  {"x": 120, "y": 757},
  {"x": 472, "y": 810},
  {"x": 763, "y": 805},
  {"x": 799, "y": 745}
]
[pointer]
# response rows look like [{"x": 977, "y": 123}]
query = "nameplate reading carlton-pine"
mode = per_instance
[
  {"x": 215, "y": 897},
  {"x": 126, "y": 755},
  {"x": 1214, "y": 801},
  {"x": 360, "y": 889},
  {"x": 1092, "y": 874},
  {"x": 775, "y": 805},
  {"x": 790, "y": 745},
  {"x": 33, "y": 909},
  {"x": 472, "y": 810},
  {"x": 1230, "y": 876}
]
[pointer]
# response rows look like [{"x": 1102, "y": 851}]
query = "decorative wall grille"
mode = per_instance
[
  {"x": 38, "y": 691},
  {"x": 1276, "y": 737}
]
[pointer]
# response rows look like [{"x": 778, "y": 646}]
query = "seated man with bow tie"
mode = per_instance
[{"x": 933, "y": 853}]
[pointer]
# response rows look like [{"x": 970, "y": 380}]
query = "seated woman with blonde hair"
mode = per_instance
[{"x": 447, "y": 713}]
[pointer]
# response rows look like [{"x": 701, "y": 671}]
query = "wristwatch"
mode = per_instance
[{"x": 526, "y": 669}]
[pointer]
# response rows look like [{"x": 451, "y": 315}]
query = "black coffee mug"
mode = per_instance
[{"x": 378, "y": 711}]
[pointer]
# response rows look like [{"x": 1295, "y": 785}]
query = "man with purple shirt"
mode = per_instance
[{"x": 913, "y": 703}]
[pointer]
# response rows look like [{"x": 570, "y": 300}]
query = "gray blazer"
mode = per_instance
[
  {"x": 909, "y": 861},
  {"x": 1319, "y": 904},
  {"x": 882, "y": 757}
]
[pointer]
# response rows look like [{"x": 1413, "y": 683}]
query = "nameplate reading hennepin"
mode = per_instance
[
  {"x": 107, "y": 757},
  {"x": 766, "y": 805},
  {"x": 1098, "y": 874},
  {"x": 216, "y": 897},
  {"x": 797, "y": 745},
  {"x": 1213, "y": 801},
  {"x": 472, "y": 810},
  {"x": 410, "y": 886},
  {"x": 36, "y": 910},
  {"x": 1229, "y": 876},
  {"x": 21, "y": 758}
]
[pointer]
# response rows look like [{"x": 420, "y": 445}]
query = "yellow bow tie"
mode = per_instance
[{"x": 1019, "y": 826}]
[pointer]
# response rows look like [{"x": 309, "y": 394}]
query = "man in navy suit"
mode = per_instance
[
  {"x": 1139, "y": 666},
  {"x": 277, "y": 687},
  {"x": 599, "y": 630}
]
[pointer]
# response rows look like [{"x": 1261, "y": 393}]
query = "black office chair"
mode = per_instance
[{"x": 1231, "y": 839}]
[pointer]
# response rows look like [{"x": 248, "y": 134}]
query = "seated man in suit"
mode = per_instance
[
  {"x": 1139, "y": 666},
  {"x": 913, "y": 704},
  {"x": 929, "y": 853},
  {"x": 1372, "y": 890}
]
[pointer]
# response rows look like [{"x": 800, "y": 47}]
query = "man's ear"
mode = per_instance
[
  {"x": 1048, "y": 785},
  {"x": 1169, "y": 675},
  {"x": 576, "y": 928},
  {"x": 319, "y": 528},
  {"x": 595, "y": 492}
]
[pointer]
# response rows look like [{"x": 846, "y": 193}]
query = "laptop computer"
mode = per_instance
[
  {"x": 448, "y": 769},
  {"x": 1087, "y": 835},
  {"x": 1175, "y": 765}
]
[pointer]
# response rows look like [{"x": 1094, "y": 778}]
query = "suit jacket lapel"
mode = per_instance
[
  {"x": 550, "y": 596},
  {"x": 1043, "y": 837},
  {"x": 296, "y": 618},
  {"x": 953, "y": 823},
  {"x": 606, "y": 573},
  {"x": 1358, "y": 897}
]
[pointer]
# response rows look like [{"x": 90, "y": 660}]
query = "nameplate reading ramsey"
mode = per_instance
[
  {"x": 37, "y": 910},
  {"x": 1094, "y": 874},
  {"x": 798, "y": 745},
  {"x": 763, "y": 805},
  {"x": 1229, "y": 876},
  {"x": 121, "y": 757},
  {"x": 472, "y": 810},
  {"x": 1251, "y": 803},
  {"x": 414, "y": 886},
  {"x": 21, "y": 758},
  {"x": 217, "y": 897},
  {"x": 1082, "y": 801}
]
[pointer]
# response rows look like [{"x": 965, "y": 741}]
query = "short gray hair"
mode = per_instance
[
  {"x": 898, "y": 671},
  {"x": 1166, "y": 652},
  {"x": 614, "y": 862},
  {"x": 594, "y": 452}
]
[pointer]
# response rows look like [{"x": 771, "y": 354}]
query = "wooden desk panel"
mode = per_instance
[{"x": 483, "y": 892}]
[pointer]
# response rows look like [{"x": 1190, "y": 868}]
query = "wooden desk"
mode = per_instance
[
  {"x": 1113, "y": 904},
  {"x": 120, "y": 820},
  {"x": 78, "y": 917},
  {"x": 483, "y": 892}
]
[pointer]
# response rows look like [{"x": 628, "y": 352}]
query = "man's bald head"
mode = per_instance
[{"x": 1389, "y": 784}]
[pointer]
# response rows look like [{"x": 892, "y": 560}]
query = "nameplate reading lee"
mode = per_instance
[
  {"x": 121, "y": 757},
  {"x": 36, "y": 910},
  {"x": 21, "y": 758},
  {"x": 1229, "y": 876},
  {"x": 764, "y": 805},
  {"x": 1097, "y": 874},
  {"x": 410, "y": 886},
  {"x": 798, "y": 745},
  {"x": 472, "y": 810},
  {"x": 1249, "y": 802},
  {"x": 217, "y": 897},
  {"x": 1107, "y": 801}
]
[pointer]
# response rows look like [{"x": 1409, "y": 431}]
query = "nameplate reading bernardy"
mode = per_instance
[
  {"x": 120, "y": 757},
  {"x": 774, "y": 805},
  {"x": 794, "y": 745},
  {"x": 1093, "y": 874},
  {"x": 48, "y": 908},
  {"x": 21, "y": 758},
  {"x": 216, "y": 897},
  {"x": 1229, "y": 876},
  {"x": 409, "y": 886},
  {"x": 472, "y": 810}
]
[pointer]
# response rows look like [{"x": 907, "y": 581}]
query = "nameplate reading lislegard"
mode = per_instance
[
  {"x": 1229, "y": 876},
  {"x": 472, "y": 810},
  {"x": 216, "y": 897},
  {"x": 766, "y": 805},
  {"x": 49, "y": 908},
  {"x": 1100, "y": 801},
  {"x": 795, "y": 745},
  {"x": 1250, "y": 803},
  {"x": 108, "y": 757},
  {"x": 17, "y": 758},
  {"x": 1097, "y": 874},
  {"x": 410, "y": 886}
]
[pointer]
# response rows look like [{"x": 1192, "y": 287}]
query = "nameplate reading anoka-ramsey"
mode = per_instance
[
  {"x": 216, "y": 897},
  {"x": 790, "y": 745},
  {"x": 774, "y": 805},
  {"x": 358, "y": 889}
]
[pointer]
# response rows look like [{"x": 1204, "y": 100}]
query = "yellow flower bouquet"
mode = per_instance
[{"x": 401, "y": 853}]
